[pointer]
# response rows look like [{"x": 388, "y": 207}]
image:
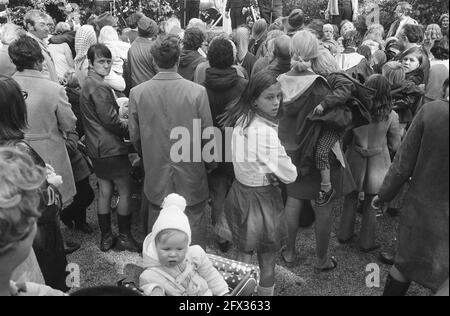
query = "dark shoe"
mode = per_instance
[
  {"x": 224, "y": 246},
  {"x": 328, "y": 269},
  {"x": 130, "y": 285},
  {"x": 126, "y": 242},
  {"x": 325, "y": 197},
  {"x": 67, "y": 220},
  {"x": 107, "y": 242},
  {"x": 394, "y": 212},
  {"x": 367, "y": 250},
  {"x": 83, "y": 227},
  {"x": 394, "y": 287},
  {"x": 348, "y": 241},
  {"x": 387, "y": 257},
  {"x": 70, "y": 247}
]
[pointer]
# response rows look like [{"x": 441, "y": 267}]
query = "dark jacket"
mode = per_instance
[
  {"x": 405, "y": 100},
  {"x": 279, "y": 66},
  {"x": 237, "y": 4},
  {"x": 66, "y": 37},
  {"x": 189, "y": 61},
  {"x": 423, "y": 72},
  {"x": 223, "y": 86},
  {"x": 103, "y": 128},
  {"x": 423, "y": 162}
]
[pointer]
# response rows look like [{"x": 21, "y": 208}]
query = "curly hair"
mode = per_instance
[
  {"x": 193, "y": 38},
  {"x": 166, "y": 51},
  {"x": 220, "y": 54},
  {"x": 20, "y": 181},
  {"x": 25, "y": 53}
]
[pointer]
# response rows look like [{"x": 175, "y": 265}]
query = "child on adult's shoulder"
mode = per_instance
[{"x": 173, "y": 267}]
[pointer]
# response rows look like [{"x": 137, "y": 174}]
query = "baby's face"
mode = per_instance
[{"x": 172, "y": 249}]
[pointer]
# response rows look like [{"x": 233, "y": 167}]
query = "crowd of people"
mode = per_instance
[{"x": 296, "y": 117}]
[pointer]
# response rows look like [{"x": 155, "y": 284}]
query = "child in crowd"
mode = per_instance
[
  {"x": 254, "y": 206},
  {"x": 20, "y": 186},
  {"x": 173, "y": 267},
  {"x": 412, "y": 63},
  {"x": 405, "y": 93},
  {"x": 329, "y": 41},
  {"x": 343, "y": 87}
]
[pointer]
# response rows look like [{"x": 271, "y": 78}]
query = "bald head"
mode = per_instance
[{"x": 282, "y": 46}]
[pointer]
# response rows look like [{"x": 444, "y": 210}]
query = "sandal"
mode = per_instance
[{"x": 328, "y": 269}]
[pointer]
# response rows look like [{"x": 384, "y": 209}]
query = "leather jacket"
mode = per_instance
[{"x": 104, "y": 130}]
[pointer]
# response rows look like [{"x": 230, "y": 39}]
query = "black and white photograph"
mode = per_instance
[{"x": 239, "y": 149}]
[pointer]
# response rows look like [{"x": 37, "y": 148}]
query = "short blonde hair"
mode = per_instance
[
  {"x": 325, "y": 63},
  {"x": 304, "y": 48},
  {"x": 394, "y": 73}
]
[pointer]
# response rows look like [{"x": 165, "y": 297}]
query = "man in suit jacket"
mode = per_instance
[
  {"x": 161, "y": 110},
  {"x": 402, "y": 11}
]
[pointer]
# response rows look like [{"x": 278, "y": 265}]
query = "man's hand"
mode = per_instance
[
  {"x": 319, "y": 109},
  {"x": 227, "y": 14}
]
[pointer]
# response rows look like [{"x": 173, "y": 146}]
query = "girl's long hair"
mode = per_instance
[
  {"x": 382, "y": 101},
  {"x": 244, "y": 108}
]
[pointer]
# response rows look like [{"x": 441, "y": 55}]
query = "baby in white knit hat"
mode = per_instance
[{"x": 173, "y": 267}]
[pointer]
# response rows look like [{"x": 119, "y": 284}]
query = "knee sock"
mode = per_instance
[
  {"x": 266, "y": 291},
  {"x": 124, "y": 223},
  {"x": 104, "y": 221}
]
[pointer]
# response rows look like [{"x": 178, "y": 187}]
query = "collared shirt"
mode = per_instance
[
  {"x": 257, "y": 152},
  {"x": 162, "y": 128}
]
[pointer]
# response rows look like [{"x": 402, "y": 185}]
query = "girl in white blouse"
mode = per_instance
[{"x": 254, "y": 206}]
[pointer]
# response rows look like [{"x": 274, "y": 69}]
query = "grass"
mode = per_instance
[{"x": 98, "y": 268}]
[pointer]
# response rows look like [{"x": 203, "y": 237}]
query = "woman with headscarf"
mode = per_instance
[
  {"x": 109, "y": 37},
  {"x": 84, "y": 38}
]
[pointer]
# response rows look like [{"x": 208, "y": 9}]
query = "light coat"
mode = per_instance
[{"x": 50, "y": 117}]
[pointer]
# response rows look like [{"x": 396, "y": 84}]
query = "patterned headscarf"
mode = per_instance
[{"x": 84, "y": 38}]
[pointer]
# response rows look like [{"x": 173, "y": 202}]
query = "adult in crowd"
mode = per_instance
[
  {"x": 156, "y": 107},
  {"x": 15, "y": 119},
  {"x": 259, "y": 35},
  {"x": 423, "y": 161},
  {"x": 105, "y": 19},
  {"x": 50, "y": 115},
  {"x": 190, "y": 9},
  {"x": 132, "y": 23},
  {"x": 35, "y": 22},
  {"x": 224, "y": 86},
  {"x": 61, "y": 53},
  {"x": 140, "y": 59},
  {"x": 64, "y": 34},
  {"x": 235, "y": 11},
  {"x": 119, "y": 50},
  {"x": 20, "y": 186},
  {"x": 340, "y": 10},
  {"x": 349, "y": 58},
  {"x": 105, "y": 134},
  {"x": 245, "y": 59},
  {"x": 84, "y": 38},
  {"x": 432, "y": 34},
  {"x": 281, "y": 56},
  {"x": 190, "y": 57},
  {"x": 438, "y": 70},
  {"x": 267, "y": 52},
  {"x": 8, "y": 33},
  {"x": 403, "y": 12},
  {"x": 303, "y": 90},
  {"x": 270, "y": 9},
  {"x": 295, "y": 22},
  {"x": 444, "y": 23}
]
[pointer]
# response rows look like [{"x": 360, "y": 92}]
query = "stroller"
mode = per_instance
[{"x": 242, "y": 278}]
